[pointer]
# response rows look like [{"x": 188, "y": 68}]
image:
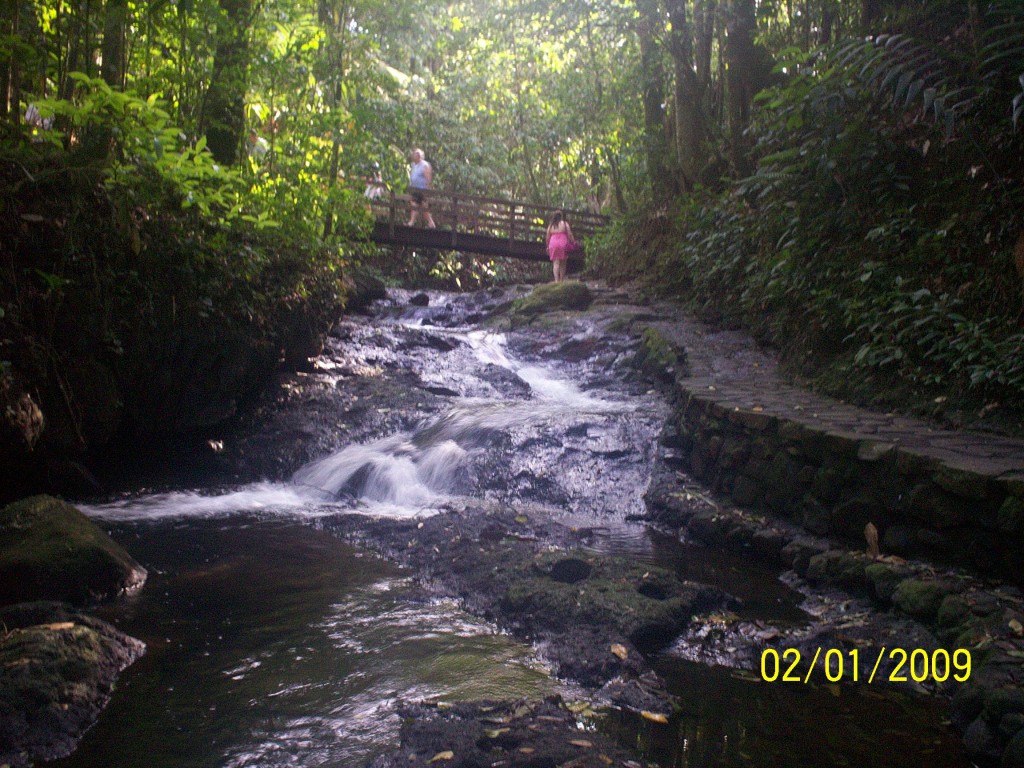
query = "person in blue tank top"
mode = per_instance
[{"x": 420, "y": 177}]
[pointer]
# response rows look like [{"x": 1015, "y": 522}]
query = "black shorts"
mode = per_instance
[{"x": 417, "y": 195}]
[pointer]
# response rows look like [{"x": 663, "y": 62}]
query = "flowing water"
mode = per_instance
[{"x": 273, "y": 643}]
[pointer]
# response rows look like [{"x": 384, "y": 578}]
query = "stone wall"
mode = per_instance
[{"x": 963, "y": 510}]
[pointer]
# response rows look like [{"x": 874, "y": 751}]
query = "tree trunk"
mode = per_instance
[
  {"x": 9, "y": 98},
  {"x": 740, "y": 63},
  {"x": 870, "y": 13},
  {"x": 224, "y": 107},
  {"x": 653, "y": 90},
  {"x": 113, "y": 67},
  {"x": 704, "y": 26},
  {"x": 828, "y": 20},
  {"x": 688, "y": 97}
]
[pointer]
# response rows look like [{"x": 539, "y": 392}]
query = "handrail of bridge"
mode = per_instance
[{"x": 494, "y": 217}]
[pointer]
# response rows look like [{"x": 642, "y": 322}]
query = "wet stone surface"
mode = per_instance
[{"x": 532, "y": 501}]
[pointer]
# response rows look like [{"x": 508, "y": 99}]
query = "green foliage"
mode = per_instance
[{"x": 875, "y": 238}]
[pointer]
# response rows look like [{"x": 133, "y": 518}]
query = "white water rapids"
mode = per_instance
[{"x": 401, "y": 475}]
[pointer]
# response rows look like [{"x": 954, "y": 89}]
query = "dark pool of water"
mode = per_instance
[
  {"x": 274, "y": 644},
  {"x": 729, "y": 720}
]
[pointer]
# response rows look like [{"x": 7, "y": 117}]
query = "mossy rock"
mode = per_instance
[
  {"x": 844, "y": 569},
  {"x": 1000, "y": 702},
  {"x": 57, "y": 670},
  {"x": 647, "y": 604},
  {"x": 362, "y": 289},
  {"x": 552, "y": 297},
  {"x": 885, "y": 579},
  {"x": 658, "y": 358},
  {"x": 953, "y": 611},
  {"x": 921, "y": 598},
  {"x": 51, "y": 551}
]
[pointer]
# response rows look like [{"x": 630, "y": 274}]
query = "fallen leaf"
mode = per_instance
[
  {"x": 620, "y": 650},
  {"x": 1017, "y": 627},
  {"x": 527, "y": 750},
  {"x": 446, "y": 755},
  {"x": 654, "y": 717},
  {"x": 59, "y": 626},
  {"x": 581, "y": 743},
  {"x": 605, "y": 759},
  {"x": 522, "y": 519},
  {"x": 494, "y": 733}
]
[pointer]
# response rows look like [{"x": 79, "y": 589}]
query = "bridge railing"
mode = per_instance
[{"x": 493, "y": 217}]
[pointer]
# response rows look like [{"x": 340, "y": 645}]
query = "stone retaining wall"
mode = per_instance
[{"x": 834, "y": 482}]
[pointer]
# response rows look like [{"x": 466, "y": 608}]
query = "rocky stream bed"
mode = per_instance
[{"x": 513, "y": 455}]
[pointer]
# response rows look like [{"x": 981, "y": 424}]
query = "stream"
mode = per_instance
[{"x": 272, "y": 641}]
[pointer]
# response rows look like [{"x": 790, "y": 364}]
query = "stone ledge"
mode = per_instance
[{"x": 929, "y": 492}]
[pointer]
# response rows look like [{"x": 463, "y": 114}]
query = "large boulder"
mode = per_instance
[
  {"x": 57, "y": 671},
  {"x": 551, "y": 297},
  {"x": 51, "y": 551}
]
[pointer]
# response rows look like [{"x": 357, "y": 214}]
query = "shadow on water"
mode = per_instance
[
  {"x": 728, "y": 719},
  {"x": 271, "y": 643}
]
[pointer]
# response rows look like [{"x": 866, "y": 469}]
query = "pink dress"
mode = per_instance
[{"x": 557, "y": 244}]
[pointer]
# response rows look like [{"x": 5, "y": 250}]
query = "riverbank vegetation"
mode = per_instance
[
  {"x": 864, "y": 219},
  {"x": 181, "y": 183}
]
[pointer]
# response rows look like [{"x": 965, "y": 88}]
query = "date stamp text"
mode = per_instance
[{"x": 834, "y": 665}]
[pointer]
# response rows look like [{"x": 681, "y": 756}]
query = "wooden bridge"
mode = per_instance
[{"x": 473, "y": 224}]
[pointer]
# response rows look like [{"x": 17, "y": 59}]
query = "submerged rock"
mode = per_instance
[
  {"x": 51, "y": 551},
  {"x": 57, "y": 671},
  {"x": 509, "y": 734}
]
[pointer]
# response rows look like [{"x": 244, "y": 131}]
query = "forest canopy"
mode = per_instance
[{"x": 843, "y": 177}]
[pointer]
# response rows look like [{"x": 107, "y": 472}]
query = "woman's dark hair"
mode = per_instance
[{"x": 556, "y": 217}]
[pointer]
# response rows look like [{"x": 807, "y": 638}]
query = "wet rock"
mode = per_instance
[
  {"x": 884, "y": 578},
  {"x": 953, "y": 611},
  {"x": 506, "y": 382},
  {"x": 981, "y": 741},
  {"x": 51, "y": 551},
  {"x": 1013, "y": 755},
  {"x": 420, "y": 300},
  {"x": 921, "y": 598},
  {"x": 1001, "y": 702},
  {"x": 798, "y": 553},
  {"x": 658, "y": 359},
  {"x": 525, "y": 573},
  {"x": 844, "y": 569},
  {"x": 362, "y": 289},
  {"x": 550, "y": 297},
  {"x": 57, "y": 671},
  {"x": 517, "y": 734}
]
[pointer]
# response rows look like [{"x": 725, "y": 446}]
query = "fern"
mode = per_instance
[{"x": 1003, "y": 51}]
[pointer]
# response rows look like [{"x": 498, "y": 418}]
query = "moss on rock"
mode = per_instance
[
  {"x": 658, "y": 358},
  {"x": 51, "y": 551},
  {"x": 921, "y": 598},
  {"x": 57, "y": 670},
  {"x": 551, "y": 297}
]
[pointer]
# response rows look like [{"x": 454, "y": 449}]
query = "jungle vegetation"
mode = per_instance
[{"x": 843, "y": 177}]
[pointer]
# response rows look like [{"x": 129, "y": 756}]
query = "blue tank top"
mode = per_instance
[{"x": 418, "y": 175}]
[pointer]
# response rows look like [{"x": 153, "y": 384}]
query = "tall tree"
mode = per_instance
[
  {"x": 688, "y": 102},
  {"x": 652, "y": 73},
  {"x": 114, "y": 21},
  {"x": 224, "y": 107},
  {"x": 741, "y": 62}
]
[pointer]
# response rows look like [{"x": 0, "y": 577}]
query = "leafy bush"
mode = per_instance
[{"x": 876, "y": 236}]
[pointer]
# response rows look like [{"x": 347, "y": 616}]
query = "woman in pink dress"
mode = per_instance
[{"x": 559, "y": 236}]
